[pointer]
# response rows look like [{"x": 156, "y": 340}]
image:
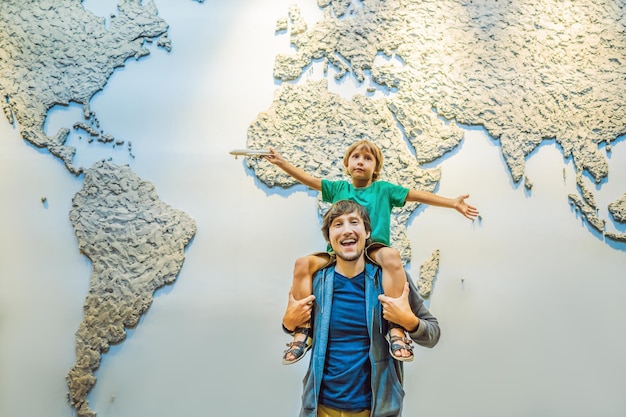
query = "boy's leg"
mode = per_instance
[
  {"x": 394, "y": 279},
  {"x": 303, "y": 270},
  {"x": 302, "y": 286}
]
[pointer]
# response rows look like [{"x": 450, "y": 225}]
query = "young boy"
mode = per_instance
[{"x": 363, "y": 161}]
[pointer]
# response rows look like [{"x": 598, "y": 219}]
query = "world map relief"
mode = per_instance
[
  {"x": 52, "y": 53},
  {"x": 526, "y": 72}
]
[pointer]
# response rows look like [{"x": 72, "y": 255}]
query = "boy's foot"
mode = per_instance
[
  {"x": 298, "y": 347},
  {"x": 400, "y": 346}
]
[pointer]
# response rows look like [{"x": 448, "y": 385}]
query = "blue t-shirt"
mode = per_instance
[
  {"x": 378, "y": 198},
  {"x": 347, "y": 372}
]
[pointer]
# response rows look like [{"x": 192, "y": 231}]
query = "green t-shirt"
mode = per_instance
[{"x": 378, "y": 198}]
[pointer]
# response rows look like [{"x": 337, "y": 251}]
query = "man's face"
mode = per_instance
[{"x": 347, "y": 236}]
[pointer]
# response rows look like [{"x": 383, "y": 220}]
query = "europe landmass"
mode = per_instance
[{"x": 526, "y": 72}]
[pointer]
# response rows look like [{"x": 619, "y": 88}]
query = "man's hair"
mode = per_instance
[
  {"x": 344, "y": 207},
  {"x": 370, "y": 147}
]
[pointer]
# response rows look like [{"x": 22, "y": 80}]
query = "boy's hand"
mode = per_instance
[
  {"x": 465, "y": 209},
  {"x": 274, "y": 157},
  {"x": 296, "y": 173}
]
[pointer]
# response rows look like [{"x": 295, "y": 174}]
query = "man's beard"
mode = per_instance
[{"x": 349, "y": 258}]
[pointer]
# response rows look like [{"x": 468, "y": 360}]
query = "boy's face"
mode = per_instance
[{"x": 361, "y": 164}]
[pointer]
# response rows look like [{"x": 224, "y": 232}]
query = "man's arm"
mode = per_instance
[
  {"x": 298, "y": 174},
  {"x": 298, "y": 312},
  {"x": 409, "y": 311},
  {"x": 398, "y": 310},
  {"x": 428, "y": 332},
  {"x": 431, "y": 199}
]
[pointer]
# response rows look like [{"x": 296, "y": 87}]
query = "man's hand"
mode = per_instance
[
  {"x": 398, "y": 310},
  {"x": 298, "y": 311}
]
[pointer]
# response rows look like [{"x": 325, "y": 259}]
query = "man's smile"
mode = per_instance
[{"x": 348, "y": 242}]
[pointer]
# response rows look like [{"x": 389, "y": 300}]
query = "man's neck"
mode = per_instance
[{"x": 350, "y": 269}]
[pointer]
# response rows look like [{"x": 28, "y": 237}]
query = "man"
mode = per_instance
[{"x": 351, "y": 373}]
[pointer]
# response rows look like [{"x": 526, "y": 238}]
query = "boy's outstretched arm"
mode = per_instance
[
  {"x": 298, "y": 174},
  {"x": 431, "y": 199}
]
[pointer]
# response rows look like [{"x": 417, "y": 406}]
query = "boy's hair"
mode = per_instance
[
  {"x": 370, "y": 147},
  {"x": 340, "y": 208}
]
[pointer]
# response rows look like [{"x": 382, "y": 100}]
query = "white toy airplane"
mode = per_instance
[{"x": 250, "y": 152}]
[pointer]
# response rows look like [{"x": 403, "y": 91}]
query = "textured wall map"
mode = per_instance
[
  {"x": 53, "y": 53},
  {"x": 526, "y": 71}
]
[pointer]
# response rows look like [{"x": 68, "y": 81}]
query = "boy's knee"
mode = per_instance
[
  {"x": 308, "y": 265},
  {"x": 301, "y": 267},
  {"x": 389, "y": 258}
]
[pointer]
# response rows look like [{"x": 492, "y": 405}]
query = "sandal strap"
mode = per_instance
[
  {"x": 303, "y": 330},
  {"x": 404, "y": 339},
  {"x": 297, "y": 348},
  {"x": 297, "y": 345},
  {"x": 407, "y": 345},
  {"x": 397, "y": 346}
]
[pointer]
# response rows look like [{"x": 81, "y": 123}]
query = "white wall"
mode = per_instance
[{"x": 530, "y": 300}]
